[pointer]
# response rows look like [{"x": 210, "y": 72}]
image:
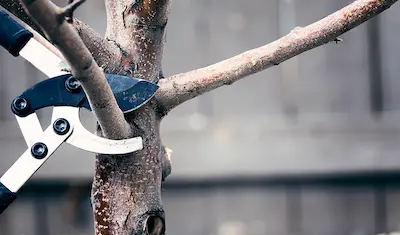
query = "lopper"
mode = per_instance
[{"x": 65, "y": 95}]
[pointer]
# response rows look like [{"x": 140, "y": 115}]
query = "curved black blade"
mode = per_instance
[
  {"x": 130, "y": 93},
  {"x": 50, "y": 92},
  {"x": 132, "y": 98}
]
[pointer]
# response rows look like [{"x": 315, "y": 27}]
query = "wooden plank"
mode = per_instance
[
  {"x": 290, "y": 68},
  {"x": 14, "y": 81},
  {"x": 255, "y": 211},
  {"x": 21, "y": 217},
  {"x": 390, "y": 54},
  {"x": 237, "y": 27},
  {"x": 337, "y": 211},
  {"x": 393, "y": 209},
  {"x": 224, "y": 151},
  {"x": 334, "y": 77},
  {"x": 246, "y": 132},
  {"x": 200, "y": 202},
  {"x": 181, "y": 52}
]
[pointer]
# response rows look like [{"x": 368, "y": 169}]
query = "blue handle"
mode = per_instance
[
  {"x": 13, "y": 36},
  {"x": 6, "y": 197}
]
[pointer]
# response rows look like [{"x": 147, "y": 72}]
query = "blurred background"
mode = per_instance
[{"x": 307, "y": 147}]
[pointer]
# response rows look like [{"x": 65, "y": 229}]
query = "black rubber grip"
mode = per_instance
[
  {"x": 13, "y": 36},
  {"x": 6, "y": 197}
]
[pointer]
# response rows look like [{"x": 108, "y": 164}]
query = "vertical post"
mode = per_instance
[
  {"x": 2, "y": 83},
  {"x": 4, "y": 224},
  {"x": 41, "y": 216},
  {"x": 380, "y": 208},
  {"x": 289, "y": 69},
  {"x": 293, "y": 211},
  {"x": 202, "y": 32},
  {"x": 375, "y": 67}
]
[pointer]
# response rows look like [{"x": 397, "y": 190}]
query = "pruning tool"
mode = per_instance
[{"x": 64, "y": 93}]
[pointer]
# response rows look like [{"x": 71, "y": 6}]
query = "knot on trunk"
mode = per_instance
[{"x": 151, "y": 223}]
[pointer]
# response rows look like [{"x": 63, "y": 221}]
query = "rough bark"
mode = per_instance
[
  {"x": 126, "y": 190},
  {"x": 138, "y": 27},
  {"x": 182, "y": 87}
]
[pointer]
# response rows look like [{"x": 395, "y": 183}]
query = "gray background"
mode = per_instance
[{"x": 334, "y": 109}]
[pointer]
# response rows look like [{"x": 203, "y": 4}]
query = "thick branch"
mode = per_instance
[
  {"x": 83, "y": 66},
  {"x": 182, "y": 87},
  {"x": 107, "y": 55}
]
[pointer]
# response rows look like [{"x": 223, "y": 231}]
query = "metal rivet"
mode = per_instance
[
  {"x": 73, "y": 85},
  {"x": 39, "y": 150},
  {"x": 61, "y": 126},
  {"x": 19, "y": 105}
]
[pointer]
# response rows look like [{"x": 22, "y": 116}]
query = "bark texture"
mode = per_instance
[
  {"x": 126, "y": 192},
  {"x": 127, "y": 189}
]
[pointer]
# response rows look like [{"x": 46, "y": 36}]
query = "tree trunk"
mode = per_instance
[{"x": 126, "y": 192}]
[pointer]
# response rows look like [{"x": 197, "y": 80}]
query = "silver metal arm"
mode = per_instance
[
  {"x": 83, "y": 139},
  {"x": 30, "y": 127},
  {"x": 80, "y": 137},
  {"x": 33, "y": 158}
]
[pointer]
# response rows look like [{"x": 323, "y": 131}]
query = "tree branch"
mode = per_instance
[
  {"x": 67, "y": 12},
  {"x": 182, "y": 87},
  {"x": 50, "y": 18},
  {"x": 107, "y": 55}
]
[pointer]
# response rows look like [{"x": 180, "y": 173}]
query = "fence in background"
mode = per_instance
[
  {"x": 334, "y": 109},
  {"x": 331, "y": 109},
  {"x": 363, "y": 204}
]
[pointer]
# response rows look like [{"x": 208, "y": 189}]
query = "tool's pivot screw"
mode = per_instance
[
  {"x": 39, "y": 150},
  {"x": 73, "y": 85},
  {"x": 19, "y": 105},
  {"x": 61, "y": 126}
]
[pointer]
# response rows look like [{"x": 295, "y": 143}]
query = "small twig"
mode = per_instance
[
  {"x": 337, "y": 40},
  {"x": 67, "y": 12}
]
